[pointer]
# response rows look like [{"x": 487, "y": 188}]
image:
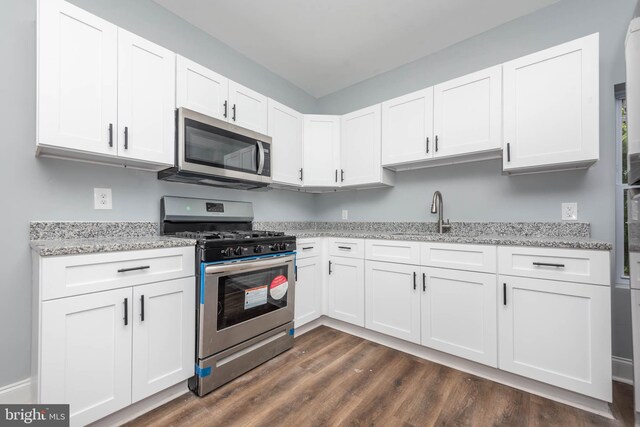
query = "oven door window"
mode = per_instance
[
  {"x": 246, "y": 296},
  {"x": 212, "y": 146}
]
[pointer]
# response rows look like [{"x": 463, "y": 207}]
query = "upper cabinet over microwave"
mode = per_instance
[
  {"x": 204, "y": 91},
  {"x": 104, "y": 94}
]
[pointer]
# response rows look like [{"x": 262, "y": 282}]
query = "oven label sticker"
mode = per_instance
[
  {"x": 255, "y": 296},
  {"x": 278, "y": 288}
]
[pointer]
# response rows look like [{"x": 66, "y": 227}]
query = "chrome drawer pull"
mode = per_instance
[
  {"x": 142, "y": 267},
  {"x": 546, "y": 264}
]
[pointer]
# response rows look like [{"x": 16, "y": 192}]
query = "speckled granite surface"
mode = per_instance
[
  {"x": 72, "y": 238},
  {"x": 56, "y": 230},
  {"x": 106, "y": 244},
  {"x": 551, "y": 235}
]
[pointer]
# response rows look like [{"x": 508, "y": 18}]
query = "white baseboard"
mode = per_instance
[
  {"x": 516, "y": 381},
  {"x": 622, "y": 370},
  {"x": 19, "y": 392}
]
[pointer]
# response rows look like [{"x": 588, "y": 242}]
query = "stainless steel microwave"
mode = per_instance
[{"x": 210, "y": 151}]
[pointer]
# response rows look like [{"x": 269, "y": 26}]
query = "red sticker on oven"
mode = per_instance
[{"x": 278, "y": 287}]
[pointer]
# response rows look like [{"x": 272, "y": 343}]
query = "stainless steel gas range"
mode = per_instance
[{"x": 245, "y": 287}]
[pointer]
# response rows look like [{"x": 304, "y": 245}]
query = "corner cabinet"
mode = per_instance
[
  {"x": 100, "y": 346},
  {"x": 360, "y": 149},
  {"x": 286, "y": 130},
  {"x": 551, "y": 108},
  {"x": 104, "y": 94}
]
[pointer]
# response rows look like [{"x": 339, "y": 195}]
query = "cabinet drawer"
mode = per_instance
[
  {"x": 307, "y": 248},
  {"x": 392, "y": 251},
  {"x": 481, "y": 258},
  {"x": 570, "y": 265},
  {"x": 81, "y": 274},
  {"x": 350, "y": 248}
]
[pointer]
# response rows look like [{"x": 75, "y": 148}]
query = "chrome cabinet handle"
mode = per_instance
[
  {"x": 547, "y": 264},
  {"x": 260, "y": 157},
  {"x": 142, "y": 267}
]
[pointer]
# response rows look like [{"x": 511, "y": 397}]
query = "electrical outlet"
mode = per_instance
[
  {"x": 345, "y": 214},
  {"x": 569, "y": 211},
  {"x": 102, "y": 198}
]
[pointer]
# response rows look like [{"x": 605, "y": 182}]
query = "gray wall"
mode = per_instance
[
  {"x": 477, "y": 191},
  {"x": 47, "y": 189}
]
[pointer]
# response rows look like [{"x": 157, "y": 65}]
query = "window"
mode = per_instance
[{"x": 622, "y": 186}]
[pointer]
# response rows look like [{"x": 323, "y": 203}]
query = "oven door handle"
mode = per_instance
[
  {"x": 247, "y": 265},
  {"x": 260, "y": 157}
]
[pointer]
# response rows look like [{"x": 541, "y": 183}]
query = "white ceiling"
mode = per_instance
[{"x": 324, "y": 46}]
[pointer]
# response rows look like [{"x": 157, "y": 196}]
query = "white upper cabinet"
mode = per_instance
[
  {"x": 467, "y": 114},
  {"x": 104, "y": 94},
  {"x": 247, "y": 108},
  {"x": 360, "y": 148},
  {"x": 77, "y": 79},
  {"x": 146, "y": 99},
  {"x": 285, "y": 129},
  {"x": 407, "y": 128},
  {"x": 321, "y": 150},
  {"x": 207, "y": 92},
  {"x": 200, "y": 89},
  {"x": 551, "y": 108}
]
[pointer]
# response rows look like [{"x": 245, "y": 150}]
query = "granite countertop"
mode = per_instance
[
  {"x": 73, "y": 238},
  {"x": 573, "y": 235},
  {"x": 106, "y": 244},
  {"x": 545, "y": 242}
]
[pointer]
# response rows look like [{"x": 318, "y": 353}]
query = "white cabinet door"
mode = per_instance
[
  {"x": 321, "y": 150},
  {"x": 346, "y": 290},
  {"x": 308, "y": 290},
  {"x": 557, "y": 333},
  {"x": 77, "y": 79},
  {"x": 200, "y": 89},
  {"x": 285, "y": 129},
  {"x": 551, "y": 107},
  {"x": 392, "y": 299},
  {"x": 247, "y": 108},
  {"x": 146, "y": 100},
  {"x": 360, "y": 145},
  {"x": 407, "y": 128},
  {"x": 86, "y": 354},
  {"x": 467, "y": 115},
  {"x": 459, "y": 313},
  {"x": 163, "y": 335}
]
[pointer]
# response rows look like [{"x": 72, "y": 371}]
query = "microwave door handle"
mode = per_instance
[{"x": 260, "y": 157}]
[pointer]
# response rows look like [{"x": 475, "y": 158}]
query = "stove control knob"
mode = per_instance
[
  {"x": 238, "y": 250},
  {"x": 227, "y": 252},
  {"x": 258, "y": 249}
]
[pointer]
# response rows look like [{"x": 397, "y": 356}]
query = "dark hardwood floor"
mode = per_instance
[{"x": 331, "y": 378}]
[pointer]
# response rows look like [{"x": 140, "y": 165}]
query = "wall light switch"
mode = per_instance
[
  {"x": 569, "y": 211},
  {"x": 102, "y": 198},
  {"x": 345, "y": 214}
]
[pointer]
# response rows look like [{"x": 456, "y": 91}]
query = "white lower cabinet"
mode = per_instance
[
  {"x": 102, "y": 351},
  {"x": 163, "y": 335},
  {"x": 459, "y": 313},
  {"x": 556, "y": 332},
  {"x": 85, "y": 356},
  {"x": 392, "y": 299},
  {"x": 308, "y": 295},
  {"x": 346, "y": 289}
]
